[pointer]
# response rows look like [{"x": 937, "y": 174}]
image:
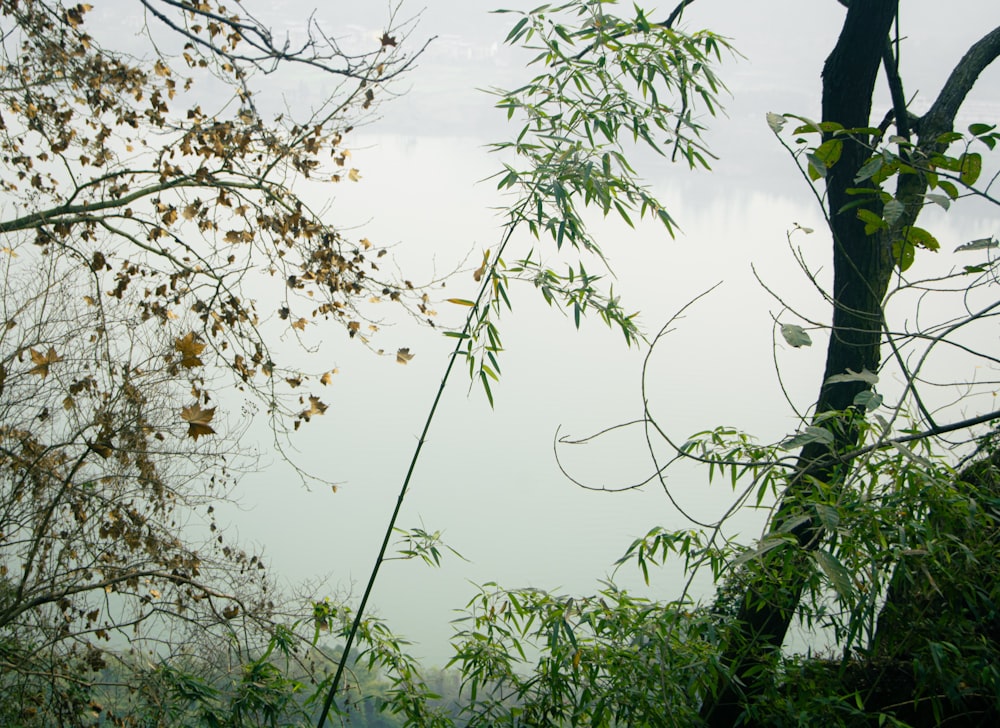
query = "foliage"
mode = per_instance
[
  {"x": 139, "y": 230},
  {"x": 884, "y": 522},
  {"x": 609, "y": 87},
  {"x": 157, "y": 243},
  {"x": 566, "y": 157},
  {"x": 603, "y": 660}
]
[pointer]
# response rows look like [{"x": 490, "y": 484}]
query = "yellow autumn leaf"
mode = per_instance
[
  {"x": 354, "y": 175},
  {"x": 403, "y": 355}
]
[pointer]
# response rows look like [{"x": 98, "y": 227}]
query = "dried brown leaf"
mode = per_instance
[
  {"x": 43, "y": 361},
  {"x": 189, "y": 348},
  {"x": 198, "y": 419}
]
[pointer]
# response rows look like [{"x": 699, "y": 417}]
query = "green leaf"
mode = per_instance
[
  {"x": 766, "y": 544},
  {"x": 809, "y": 435},
  {"x": 972, "y": 166},
  {"x": 852, "y": 376},
  {"x": 816, "y": 168},
  {"x": 908, "y": 453},
  {"x": 486, "y": 386},
  {"x": 950, "y": 189},
  {"x": 980, "y": 129},
  {"x": 808, "y": 126},
  {"x": 921, "y": 238},
  {"x": 869, "y": 169},
  {"x": 775, "y": 121},
  {"x": 515, "y": 32},
  {"x": 795, "y": 335},
  {"x": 892, "y": 211},
  {"x": 835, "y": 571},
  {"x": 980, "y": 244},
  {"x": 828, "y": 516},
  {"x": 948, "y": 137},
  {"x": 942, "y": 201},
  {"x": 903, "y": 253},
  {"x": 829, "y": 151},
  {"x": 868, "y": 399},
  {"x": 873, "y": 222}
]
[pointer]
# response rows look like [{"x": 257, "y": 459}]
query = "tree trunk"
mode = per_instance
[{"x": 862, "y": 267}]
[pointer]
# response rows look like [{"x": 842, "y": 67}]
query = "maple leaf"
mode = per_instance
[
  {"x": 189, "y": 349},
  {"x": 198, "y": 420},
  {"x": 388, "y": 40},
  {"x": 42, "y": 361},
  {"x": 300, "y": 324},
  {"x": 403, "y": 355}
]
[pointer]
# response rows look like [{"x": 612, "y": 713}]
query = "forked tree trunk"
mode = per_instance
[{"x": 863, "y": 266}]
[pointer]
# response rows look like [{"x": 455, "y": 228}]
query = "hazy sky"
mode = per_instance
[{"x": 489, "y": 478}]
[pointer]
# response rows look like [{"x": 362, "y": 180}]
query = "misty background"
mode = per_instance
[{"x": 489, "y": 479}]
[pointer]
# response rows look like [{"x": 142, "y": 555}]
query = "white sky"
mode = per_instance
[{"x": 488, "y": 478}]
